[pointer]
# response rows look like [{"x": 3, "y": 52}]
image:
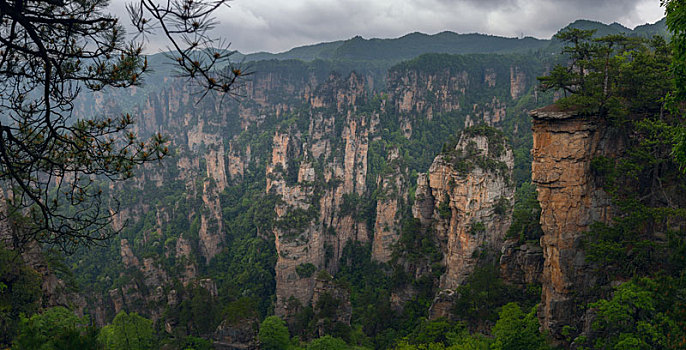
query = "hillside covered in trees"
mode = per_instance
[{"x": 439, "y": 191}]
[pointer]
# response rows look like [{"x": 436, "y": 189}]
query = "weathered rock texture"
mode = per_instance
[
  {"x": 442, "y": 304},
  {"x": 459, "y": 198},
  {"x": 327, "y": 293},
  {"x": 564, "y": 145},
  {"x": 312, "y": 227},
  {"x": 393, "y": 188},
  {"x": 517, "y": 82},
  {"x": 521, "y": 264},
  {"x": 311, "y": 133},
  {"x": 241, "y": 334}
]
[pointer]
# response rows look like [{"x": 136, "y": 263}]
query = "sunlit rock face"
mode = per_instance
[{"x": 564, "y": 145}]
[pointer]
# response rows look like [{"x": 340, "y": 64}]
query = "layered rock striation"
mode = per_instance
[{"x": 564, "y": 145}]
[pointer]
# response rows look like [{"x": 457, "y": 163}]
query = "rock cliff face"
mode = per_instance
[
  {"x": 393, "y": 185},
  {"x": 417, "y": 92},
  {"x": 315, "y": 221},
  {"x": 333, "y": 158},
  {"x": 521, "y": 264},
  {"x": 564, "y": 145},
  {"x": 467, "y": 197},
  {"x": 327, "y": 293},
  {"x": 314, "y": 218},
  {"x": 517, "y": 82}
]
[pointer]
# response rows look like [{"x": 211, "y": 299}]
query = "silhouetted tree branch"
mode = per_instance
[{"x": 52, "y": 165}]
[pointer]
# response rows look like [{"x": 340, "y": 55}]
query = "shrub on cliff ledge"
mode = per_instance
[
  {"x": 526, "y": 215},
  {"x": 305, "y": 270}
]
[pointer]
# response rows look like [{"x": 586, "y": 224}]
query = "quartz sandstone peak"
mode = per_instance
[
  {"x": 467, "y": 197},
  {"x": 312, "y": 228},
  {"x": 564, "y": 145}
]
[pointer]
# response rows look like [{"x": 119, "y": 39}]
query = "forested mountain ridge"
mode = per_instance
[
  {"x": 377, "y": 55},
  {"x": 412, "y": 45},
  {"x": 357, "y": 210}
]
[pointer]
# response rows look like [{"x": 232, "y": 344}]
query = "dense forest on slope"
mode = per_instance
[{"x": 362, "y": 194}]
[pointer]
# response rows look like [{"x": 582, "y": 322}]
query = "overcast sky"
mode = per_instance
[{"x": 279, "y": 25}]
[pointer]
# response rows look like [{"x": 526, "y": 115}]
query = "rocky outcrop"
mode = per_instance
[
  {"x": 317, "y": 214},
  {"x": 311, "y": 132},
  {"x": 237, "y": 334},
  {"x": 127, "y": 257},
  {"x": 564, "y": 145},
  {"x": 393, "y": 193},
  {"x": 211, "y": 231},
  {"x": 148, "y": 286},
  {"x": 442, "y": 305},
  {"x": 183, "y": 256},
  {"x": 521, "y": 264},
  {"x": 467, "y": 196},
  {"x": 331, "y": 304},
  {"x": 517, "y": 82},
  {"x": 415, "y": 91}
]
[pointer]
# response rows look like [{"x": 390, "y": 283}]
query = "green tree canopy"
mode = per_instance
[
  {"x": 327, "y": 342},
  {"x": 612, "y": 76},
  {"x": 273, "y": 334},
  {"x": 127, "y": 331},
  {"x": 676, "y": 23},
  {"x": 644, "y": 313},
  {"x": 516, "y": 330},
  {"x": 55, "y": 329}
]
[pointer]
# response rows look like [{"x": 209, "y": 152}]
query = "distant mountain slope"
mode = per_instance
[
  {"x": 646, "y": 30},
  {"x": 374, "y": 57},
  {"x": 405, "y": 47},
  {"x": 305, "y": 53},
  {"x": 415, "y": 44},
  {"x": 657, "y": 28},
  {"x": 601, "y": 29}
]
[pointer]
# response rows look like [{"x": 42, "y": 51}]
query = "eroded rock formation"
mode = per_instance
[
  {"x": 306, "y": 137},
  {"x": 467, "y": 196},
  {"x": 316, "y": 216},
  {"x": 564, "y": 145},
  {"x": 521, "y": 264}
]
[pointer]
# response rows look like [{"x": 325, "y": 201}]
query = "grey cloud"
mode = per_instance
[
  {"x": 489, "y": 4},
  {"x": 278, "y": 25}
]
